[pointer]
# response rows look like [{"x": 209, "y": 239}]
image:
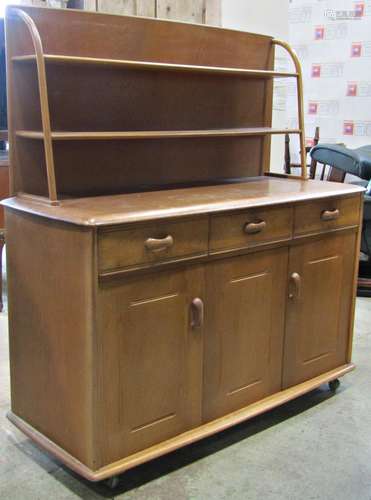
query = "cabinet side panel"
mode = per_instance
[
  {"x": 50, "y": 328},
  {"x": 355, "y": 282}
]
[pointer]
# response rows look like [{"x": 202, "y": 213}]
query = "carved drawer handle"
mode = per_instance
[
  {"x": 330, "y": 214},
  {"x": 255, "y": 227},
  {"x": 295, "y": 279},
  {"x": 197, "y": 313},
  {"x": 159, "y": 244}
]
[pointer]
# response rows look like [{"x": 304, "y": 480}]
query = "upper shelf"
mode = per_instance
[
  {"x": 59, "y": 59},
  {"x": 155, "y": 134}
]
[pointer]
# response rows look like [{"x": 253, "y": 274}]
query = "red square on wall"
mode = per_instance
[
  {"x": 356, "y": 49},
  {"x": 319, "y": 33},
  {"x": 359, "y": 9},
  {"x": 313, "y": 108},
  {"x": 316, "y": 70},
  {"x": 309, "y": 142},
  {"x": 352, "y": 89},
  {"x": 348, "y": 128}
]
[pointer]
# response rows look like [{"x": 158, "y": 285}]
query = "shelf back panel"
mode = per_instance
[
  {"x": 119, "y": 165},
  {"x": 106, "y": 99},
  {"x": 86, "y": 34}
]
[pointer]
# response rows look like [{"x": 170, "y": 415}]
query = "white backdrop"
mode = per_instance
[
  {"x": 333, "y": 41},
  {"x": 269, "y": 17}
]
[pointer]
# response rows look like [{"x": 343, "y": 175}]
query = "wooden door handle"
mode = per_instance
[
  {"x": 159, "y": 244},
  {"x": 197, "y": 313},
  {"x": 254, "y": 227},
  {"x": 330, "y": 214},
  {"x": 295, "y": 280}
]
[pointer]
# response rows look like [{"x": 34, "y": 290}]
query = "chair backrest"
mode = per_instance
[
  {"x": 331, "y": 174},
  {"x": 288, "y": 164},
  {"x": 327, "y": 172}
]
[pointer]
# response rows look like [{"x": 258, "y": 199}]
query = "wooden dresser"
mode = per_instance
[{"x": 161, "y": 287}]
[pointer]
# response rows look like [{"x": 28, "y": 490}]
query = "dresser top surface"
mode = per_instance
[{"x": 171, "y": 203}]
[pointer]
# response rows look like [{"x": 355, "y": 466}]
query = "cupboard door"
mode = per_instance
[
  {"x": 319, "y": 307},
  {"x": 151, "y": 359},
  {"x": 244, "y": 330}
]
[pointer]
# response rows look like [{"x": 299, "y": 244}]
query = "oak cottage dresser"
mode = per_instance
[{"x": 162, "y": 285}]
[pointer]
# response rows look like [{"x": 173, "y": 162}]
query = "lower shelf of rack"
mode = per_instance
[
  {"x": 155, "y": 134},
  {"x": 183, "y": 439}
]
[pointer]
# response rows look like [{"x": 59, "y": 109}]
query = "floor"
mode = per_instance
[{"x": 316, "y": 447}]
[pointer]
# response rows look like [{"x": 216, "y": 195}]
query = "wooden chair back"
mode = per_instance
[{"x": 327, "y": 172}]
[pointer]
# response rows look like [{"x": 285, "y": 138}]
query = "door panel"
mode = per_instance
[
  {"x": 318, "y": 316},
  {"x": 151, "y": 397},
  {"x": 151, "y": 360},
  {"x": 244, "y": 330}
]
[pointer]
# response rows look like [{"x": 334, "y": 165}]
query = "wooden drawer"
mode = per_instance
[
  {"x": 251, "y": 227},
  {"x": 151, "y": 243},
  {"x": 322, "y": 215}
]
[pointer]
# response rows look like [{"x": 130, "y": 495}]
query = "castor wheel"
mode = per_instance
[
  {"x": 113, "y": 482},
  {"x": 334, "y": 385}
]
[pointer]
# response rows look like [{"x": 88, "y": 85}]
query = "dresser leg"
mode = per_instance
[
  {"x": 334, "y": 385},
  {"x": 113, "y": 482}
]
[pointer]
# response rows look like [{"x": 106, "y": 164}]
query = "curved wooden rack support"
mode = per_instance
[
  {"x": 299, "y": 79},
  {"x": 43, "y": 91}
]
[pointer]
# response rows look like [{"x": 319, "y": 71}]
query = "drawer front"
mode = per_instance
[
  {"x": 252, "y": 227},
  {"x": 152, "y": 243},
  {"x": 323, "y": 215}
]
